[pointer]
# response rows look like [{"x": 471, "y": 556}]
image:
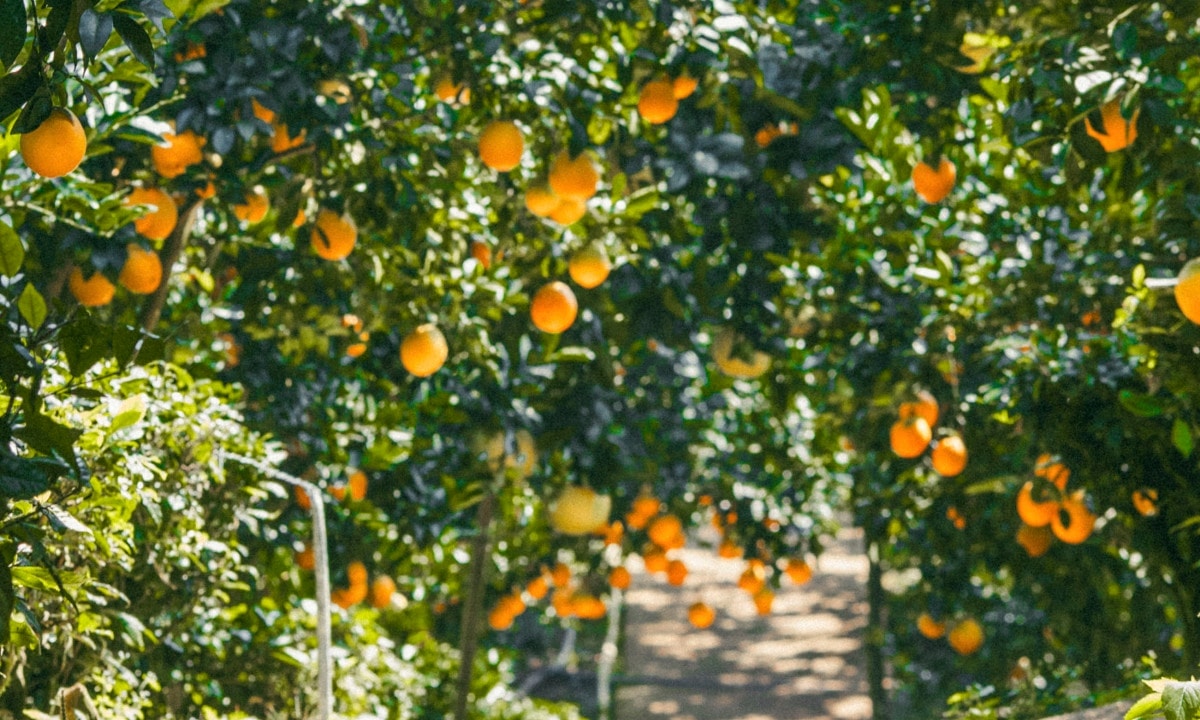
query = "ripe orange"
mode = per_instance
[
  {"x": 590, "y": 266},
  {"x": 347, "y": 598},
  {"x": 619, "y": 578},
  {"x": 1033, "y": 512},
  {"x": 753, "y": 579},
  {"x": 357, "y": 485},
  {"x": 763, "y": 600},
  {"x": 728, "y": 340},
  {"x": 568, "y": 211},
  {"x": 302, "y": 498},
  {"x": 207, "y": 192},
  {"x": 1116, "y": 132},
  {"x": 281, "y": 141},
  {"x": 580, "y": 510},
  {"x": 613, "y": 533},
  {"x": 501, "y": 145},
  {"x": 306, "y": 559},
  {"x": 768, "y": 133},
  {"x": 355, "y": 350},
  {"x": 1187, "y": 290},
  {"x": 926, "y": 406},
  {"x": 934, "y": 185},
  {"x": 333, "y": 236},
  {"x": 554, "y": 307},
  {"x": 254, "y": 209},
  {"x": 561, "y": 575},
  {"x": 949, "y": 455},
  {"x": 177, "y": 154},
  {"x": 954, "y": 516},
  {"x": 1035, "y": 540},
  {"x": 537, "y": 587},
  {"x": 142, "y": 272},
  {"x": 588, "y": 607},
  {"x": 655, "y": 561},
  {"x": 666, "y": 532},
  {"x": 677, "y": 572},
  {"x": 1145, "y": 501},
  {"x": 966, "y": 637},
  {"x": 541, "y": 201},
  {"x": 450, "y": 92},
  {"x": 701, "y": 615},
  {"x": 382, "y": 591},
  {"x": 657, "y": 103},
  {"x": 729, "y": 549},
  {"x": 573, "y": 178},
  {"x": 683, "y": 86},
  {"x": 262, "y": 112},
  {"x": 799, "y": 571},
  {"x": 57, "y": 146},
  {"x": 500, "y": 618},
  {"x": 1079, "y": 520},
  {"x": 561, "y": 602},
  {"x": 929, "y": 627},
  {"x": 356, "y": 572},
  {"x": 1047, "y": 467},
  {"x": 482, "y": 252},
  {"x": 157, "y": 223},
  {"x": 646, "y": 506},
  {"x": 424, "y": 351},
  {"x": 910, "y": 437},
  {"x": 93, "y": 292}
]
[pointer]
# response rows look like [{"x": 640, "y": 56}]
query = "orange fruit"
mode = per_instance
[
  {"x": 966, "y": 637},
  {"x": 746, "y": 366},
  {"x": 1116, "y": 132},
  {"x": 346, "y": 598},
  {"x": 799, "y": 571},
  {"x": 619, "y": 578},
  {"x": 333, "y": 236},
  {"x": 482, "y": 252},
  {"x": 646, "y": 506},
  {"x": 729, "y": 549},
  {"x": 142, "y": 272},
  {"x": 573, "y": 178},
  {"x": 1145, "y": 501},
  {"x": 753, "y": 579},
  {"x": 955, "y": 517},
  {"x": 424, "y": 351},
  {"x": 588, "y": 607},
  {"x": 177, "y": 153},
  {"x": 541, "y": 201},
  {"x": 657, "y": 103},
  {"x": 501, "y": 145},
  {"x": 1079, "y": 521},
  {"x": 1047, "y": 467},
  {"x": 450, "y": 92},
  {"x": 910, "y": 437},
  {"x": 929, "y": 627},
  {"x": 590, "y": 266},
  {"x": 537, "y": 587},
  {"x": 281, "y": 141},
  {"x": 934, "y": 185},
  {"x": 655, "y": 561},
  {"x": 306, "y": 559},
  {"x": 665, "y": 531},
  {"x": 1033, "y": 512},
  {"x": 57, "y": 146},
  {"x": 614, "y": 533},
  {"x": 763, "y": 600},
  {"x": 677, "y": 572},
  {"x": 207, "y": 192},
  {"x": 262, "y": 112},
  {"x": 561, "y": 602},
  {"x": 357, "y": 485},
  {"x": 949, "y": 455},
  {"x": 580, "y": 510},
  {"x": 382, "y": 591},
  {"x": 94, "y": 291},
  {"x": 683, "y": 86},
  {"x": 158, "y": 222},
  {"x": 1035, "y": 540},
  {"x": 356, "y": 572},
  {"x": 560, "y": 575},
  {"x": 499, "y": 619},
  {"x": 554, "y": 308},
  {"x": 355, "y": 350},
  {"x": 302, "y": 498},
  {"x": 1187, "y": 290},
  {"x": 300, "y": 219},
  {"x": 701, "y": 616},
  {"x": 568, "y": 211},
  {"x": 926, "y": 406},
  {"x": 254, "y": 209}
]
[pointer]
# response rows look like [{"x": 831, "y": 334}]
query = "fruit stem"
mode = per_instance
[{"x": 473, "y": 602}]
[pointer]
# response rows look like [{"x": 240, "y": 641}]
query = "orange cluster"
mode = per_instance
[
  {"x": 567, "y": 600},
  {"x": 381, "y": 592},
  {"x": 966, "y": 637},
  {"x": 1048, "y": 504},
  {"x": 912, "y": 433}
]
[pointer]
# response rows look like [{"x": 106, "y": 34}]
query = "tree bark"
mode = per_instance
[
  {"x": 473, "y": 604},
  {"x": 171, "y": 252}
]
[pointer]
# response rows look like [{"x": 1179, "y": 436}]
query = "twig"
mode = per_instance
[{"x": 153, "y": 308}]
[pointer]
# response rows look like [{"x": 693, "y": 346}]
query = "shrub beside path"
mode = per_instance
[{"x": 804, "y": 661}]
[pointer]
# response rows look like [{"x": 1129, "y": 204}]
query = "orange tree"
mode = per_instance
[{"x": 334, "y": 196}]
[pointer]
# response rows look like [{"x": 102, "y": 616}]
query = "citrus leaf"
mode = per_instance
[
  {"x": 63, "y": 521},
  {"x": 12, "y": 252},
  {"x": 94, "y": 30},
  {"x": 15, "y": 23},
  {"x": 1149, "y": 705},
  {"x": 1181, "y": 700},
  {"x": 1181, "y": 435},
  {"x": 1140, "y": 405},
  {"x": 16, "y": 89},
  {"x": 32, "y": 306},
  {"x": 135, "y": 37}
]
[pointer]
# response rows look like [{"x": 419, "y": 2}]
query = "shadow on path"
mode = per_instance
[{"x": 804, "y": 661}]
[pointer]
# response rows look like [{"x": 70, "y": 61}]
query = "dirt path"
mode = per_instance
[{"x": 804, "y": 661}]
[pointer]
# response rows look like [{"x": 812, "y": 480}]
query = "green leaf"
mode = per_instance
[
  {"x": 16, "y": 27},
  {"x": 1181, "y": 700},
  {"x": 573, "y": 354},
  {"x": 12, "y": 252},
  {"x": 16, "y": 89},
  {"x": 94, "y": 30},
  {"x": 34, "y": 578},
  {"x": 1150, "y": 705},
  {"x": 47, "y": 436},
  {"x": 130, "y": 413},
  {"x": 1140, "y": 405},
  {"x": 32, "y": 306},
  {"x": 1181, "y": 435},
  {"x": 63, "y": 521},
  {"x": 136, "y": 38},
  {"x": 20, "y": 478}
]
